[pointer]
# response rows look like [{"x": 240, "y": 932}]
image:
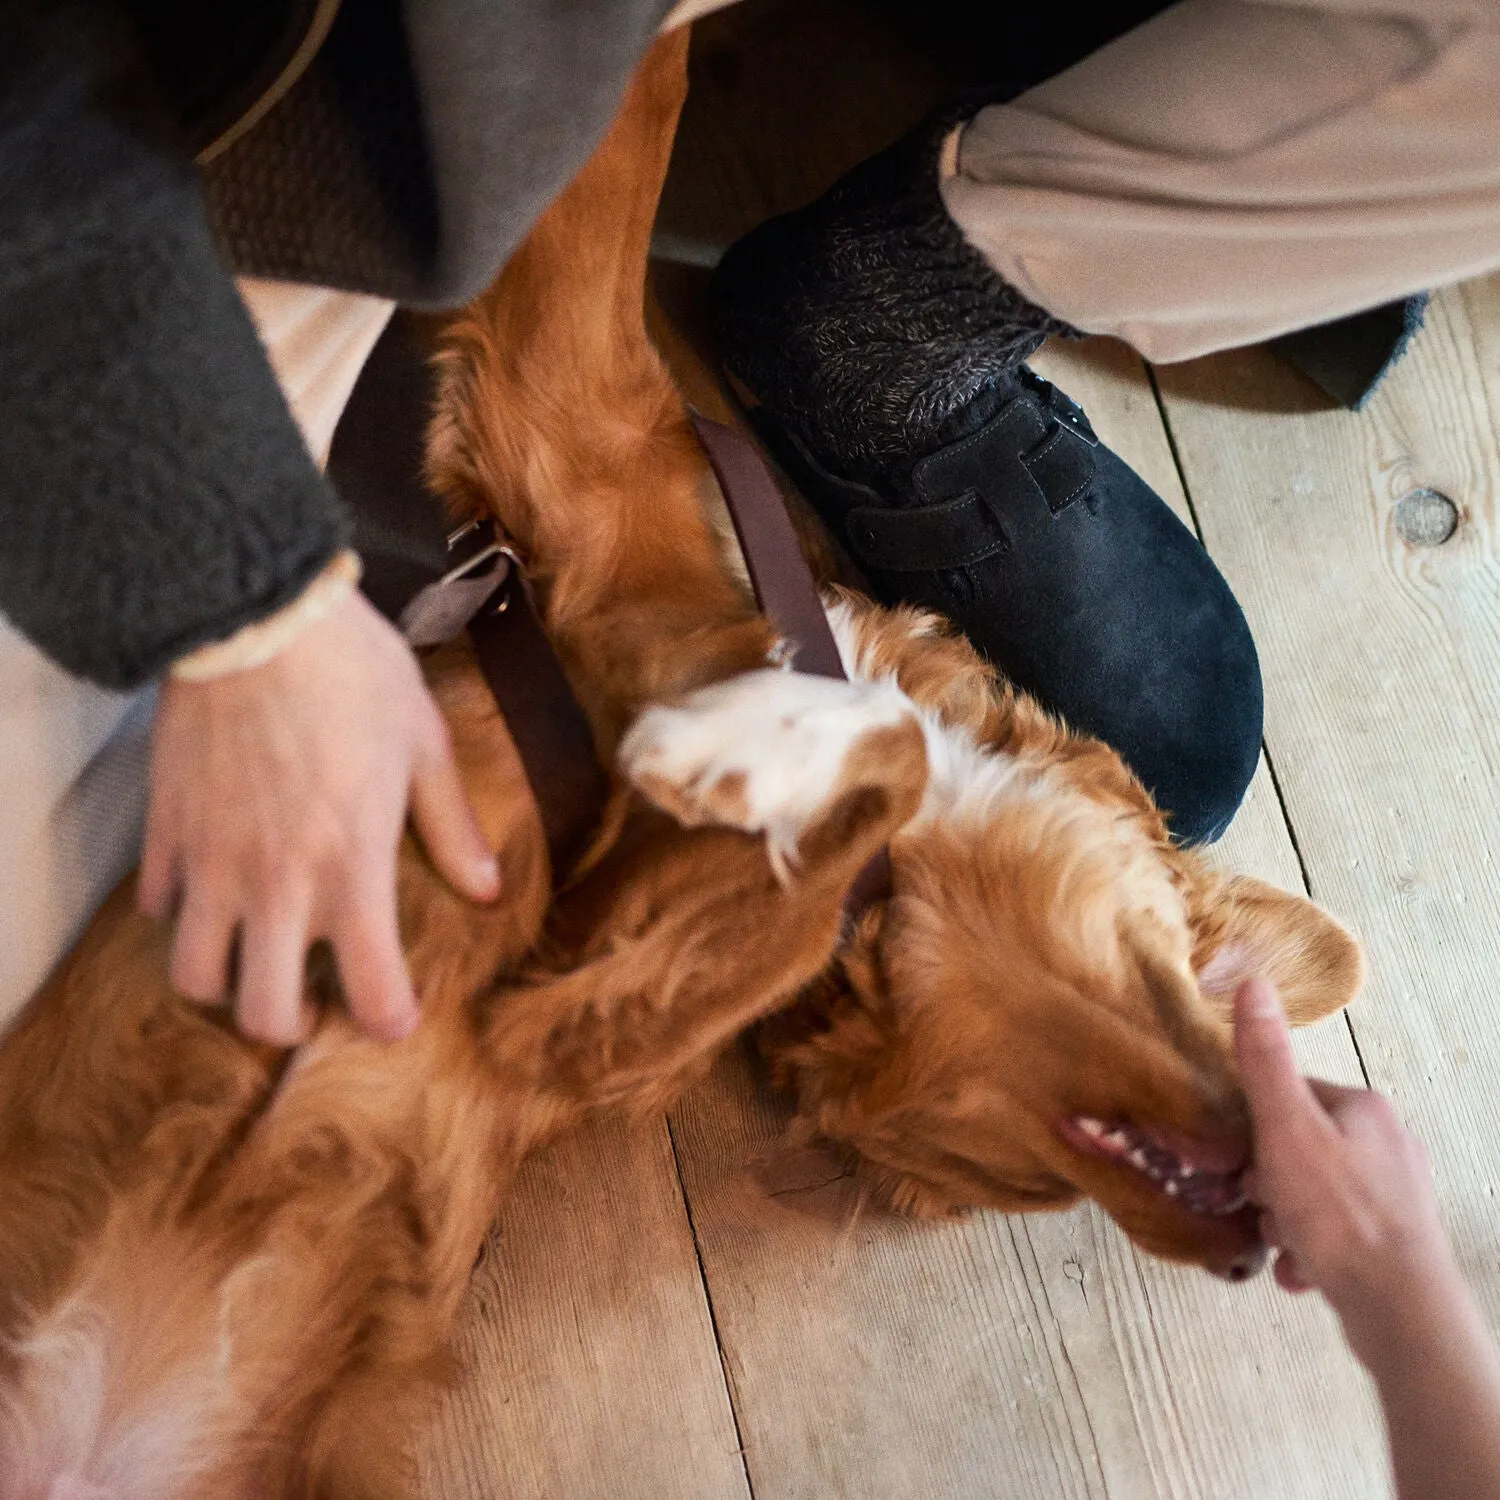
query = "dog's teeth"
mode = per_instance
[
  {"x": 1089, "y": 1126},
  {"x": 1184, "y": 1171},
  {"x": 1170, "y": 1189},
  {"x": 1137, "y": 1159},
  {"x": 1115, "y": 1138}
]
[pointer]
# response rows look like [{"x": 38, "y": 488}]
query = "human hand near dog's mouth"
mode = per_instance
[
  {"x": 1349, "y": 1203},
  {"x": 1345, "y": 1189},
  {"x": 278, "y": 798},
  {"x": 1197, "y": 1183}
]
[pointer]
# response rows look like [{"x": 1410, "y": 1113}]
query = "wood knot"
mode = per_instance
[{"x": 1425, "y": 518}]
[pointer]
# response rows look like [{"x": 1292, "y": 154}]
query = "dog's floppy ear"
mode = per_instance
[{"x": 1247, "y": 927}]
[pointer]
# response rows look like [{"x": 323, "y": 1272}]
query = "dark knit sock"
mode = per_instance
[{"x": 867, "y": 324}]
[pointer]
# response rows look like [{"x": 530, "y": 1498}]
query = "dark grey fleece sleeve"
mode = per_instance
[{"x": 155, "y": 492}]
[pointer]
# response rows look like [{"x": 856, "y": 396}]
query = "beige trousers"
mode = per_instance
[{"x": 1233, "y": 169}]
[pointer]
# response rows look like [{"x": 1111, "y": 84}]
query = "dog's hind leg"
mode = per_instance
[{"x": 557, "y": 417}]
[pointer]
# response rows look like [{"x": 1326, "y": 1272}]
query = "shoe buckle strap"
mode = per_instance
[
  {"x": 951, "y": 534},
  {"x": 1070, "y": 413},
  {"x": 1062, "y": 466},
  {"x": 1040, "y": 440}
]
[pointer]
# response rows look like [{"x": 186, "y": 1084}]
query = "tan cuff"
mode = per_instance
[{"x": 256, "y": 643}]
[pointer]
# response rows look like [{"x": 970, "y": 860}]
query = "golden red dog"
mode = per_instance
[{"x": 224, "y": 1270}]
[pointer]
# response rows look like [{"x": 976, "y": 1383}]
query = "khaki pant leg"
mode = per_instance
[
  {"x": 1235, "y": 169},
  {"x": 73, "y": 757}
]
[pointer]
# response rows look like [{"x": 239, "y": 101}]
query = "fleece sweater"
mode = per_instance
[{"x": 154, "y": 490}]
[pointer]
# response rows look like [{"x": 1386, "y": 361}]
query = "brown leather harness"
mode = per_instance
[
  {"x": 486, "y": 591},
  {"x": 784, "y": 588}
]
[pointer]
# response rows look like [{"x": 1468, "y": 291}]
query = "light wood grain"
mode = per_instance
[
  {"x": 1382, "y": 664},
  {"x": 587, "y": 1365}
]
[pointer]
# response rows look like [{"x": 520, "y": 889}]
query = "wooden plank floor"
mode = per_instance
[{"x": 684, "y": 1309}]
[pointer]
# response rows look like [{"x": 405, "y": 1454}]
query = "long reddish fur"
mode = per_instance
[{"x": 226, "y": 1271}]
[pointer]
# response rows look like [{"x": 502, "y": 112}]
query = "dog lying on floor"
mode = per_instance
[{"x": 225, "y": 1271}]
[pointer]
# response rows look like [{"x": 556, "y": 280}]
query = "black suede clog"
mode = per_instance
[
  {"x": 1073, "y": 576},
  {"x": 884, "y": 359}
]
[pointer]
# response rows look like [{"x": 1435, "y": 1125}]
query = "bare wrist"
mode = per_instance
[{"x": 1390, "y": 1319}]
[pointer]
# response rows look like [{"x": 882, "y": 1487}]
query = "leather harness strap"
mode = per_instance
[
  {"x": 547, "y": 723},
  {"x": 435, "y": 581},
  {"x": 486, "y": 590},
  {"x": 783, "y": 586},
  {"x": 784, "y": 589}
]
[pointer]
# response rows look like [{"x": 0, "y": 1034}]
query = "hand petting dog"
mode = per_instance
[
  {"x": 1349, "y": 1204},
  {"x": 278, "y": 797}
]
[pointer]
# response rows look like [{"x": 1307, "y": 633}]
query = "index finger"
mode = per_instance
[{"x": 1277, "y": 1093}]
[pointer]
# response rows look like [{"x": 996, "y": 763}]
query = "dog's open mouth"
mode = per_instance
[{"x": 1197, "y": 1185}]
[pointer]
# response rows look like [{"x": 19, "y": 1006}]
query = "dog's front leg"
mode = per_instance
[
  {"x": 787, "y": 786},
  {"x": 811, "y": 763}
]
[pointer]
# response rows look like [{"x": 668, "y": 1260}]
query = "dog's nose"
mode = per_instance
[{"x": 1246, "y": 1264}]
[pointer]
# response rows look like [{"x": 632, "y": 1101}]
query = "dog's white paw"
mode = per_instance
[{"x": 765, "y": 752}]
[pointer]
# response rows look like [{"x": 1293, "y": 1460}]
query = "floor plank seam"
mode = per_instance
[
  {"x": 1291, "y": 833},
  {"x": 1177, "y": 463},
  {"x": 1286, "y": 818},
  {"x": 713, "y": 1315},
  {"x": 1359, "y": 1055},
  {"x": 1286, "y": 813}
]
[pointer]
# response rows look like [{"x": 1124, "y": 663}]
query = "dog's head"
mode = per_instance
[{"x": 1041, "y": 1010}]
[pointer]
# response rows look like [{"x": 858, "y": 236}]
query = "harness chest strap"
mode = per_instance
[
  {"x": 784, "y": 588},
  {"x": 487, "y": 590},
  {"x": 435, "y": 581}
]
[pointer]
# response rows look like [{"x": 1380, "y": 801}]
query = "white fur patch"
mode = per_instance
[
  {"x": 72, "y": 1429},
  {"x": 969, "y": 785},
  {"x": 779, "y": 738},
  {"x": 964, "y": 779}
]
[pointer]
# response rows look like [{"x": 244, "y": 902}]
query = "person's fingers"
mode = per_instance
[
  {"x": 1276, "y": 1091},
  {"x": 372, "y": 968},
  {"x": 156, "y": 883},
  {"x": 1289, "y": 1275},
  {"x": 447, "y": 826},
  {"x": 201, "y": 947},
  {"x": 273, "y": 953},
  {"x": 1334, "y": 1097}
]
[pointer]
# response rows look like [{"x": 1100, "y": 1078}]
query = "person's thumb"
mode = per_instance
[
  {"x": 447, "y": 826},
  {"x": 1263, "y": 1050}
]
